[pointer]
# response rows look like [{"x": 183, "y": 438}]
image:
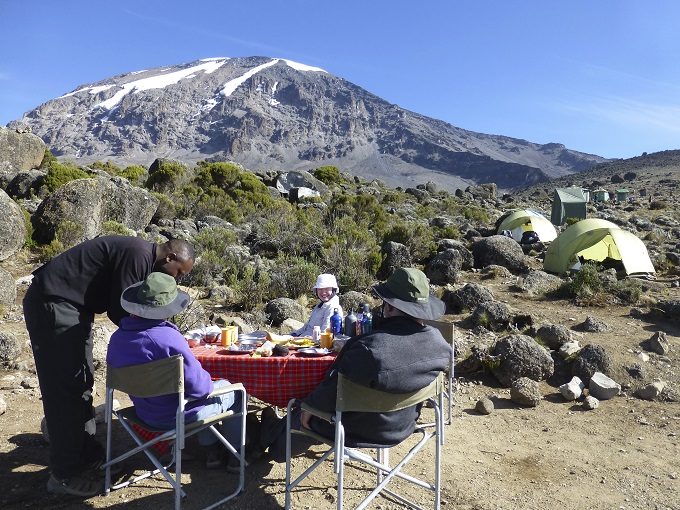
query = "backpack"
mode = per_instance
[{"x": 529, "y": 237}]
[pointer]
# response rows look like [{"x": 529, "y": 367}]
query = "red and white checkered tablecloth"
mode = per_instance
[{"x": 274, "y": 380}]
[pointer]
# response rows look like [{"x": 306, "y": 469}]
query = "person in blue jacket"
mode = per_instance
[{"x": 147, "y": 336}]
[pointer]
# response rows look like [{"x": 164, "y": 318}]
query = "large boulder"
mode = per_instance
[
  {"x": 10, "y": 347},
  {"x": 444, "y": 267},
  {"x": 91, "y": 202},
  {"x": 498, "y": 250},
  {"x": 12, "y": 227},
  {"x": 521, "y": 356},
  {"x": 280, "y": 309},
  {"x": 289, "y": 180},
  {"x": 592, "y": 358},
  {"x": 453, "y": 244},
  {"x": 493, "y": 315},
  {"x": 539, "y": 282},
  {"x": 24, "y": 182},
  {"x": 8, "y": 289},
  {"x": 467, "y": 297},
  {"x": 396, "y": 255},
  {"x": 18, "y": 151}
]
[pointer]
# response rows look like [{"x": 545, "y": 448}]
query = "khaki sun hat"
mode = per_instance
[
  {"x": 408, "y": 290},
  {"x": 157, "y": 297}
]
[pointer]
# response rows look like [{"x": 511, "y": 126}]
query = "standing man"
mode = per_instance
[
  {"x": 401, "y": 355},
  {"x": 59, "y": 308}
]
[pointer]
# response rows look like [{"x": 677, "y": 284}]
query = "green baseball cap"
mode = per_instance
[{"x": 408, "y": 290}]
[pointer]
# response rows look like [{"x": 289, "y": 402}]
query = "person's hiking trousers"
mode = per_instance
[{"x": 62, "y": 348}]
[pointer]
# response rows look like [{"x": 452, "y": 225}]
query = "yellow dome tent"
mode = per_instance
[
  {"x": 525, "y": 220},
  {"x": 595, "y": 239}
]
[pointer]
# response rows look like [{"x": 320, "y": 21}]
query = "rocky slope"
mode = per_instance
[{"x": 276, "y": 114}]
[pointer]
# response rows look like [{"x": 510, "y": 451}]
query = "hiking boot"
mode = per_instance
[
  {"x": 80, "y": 485},
  {"x": 213, "y": 459},
  {"x": 233, "y": 464},
  {"x": 96, "y": 468}
]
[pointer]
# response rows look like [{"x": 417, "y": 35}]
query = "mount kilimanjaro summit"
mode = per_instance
[{"x": 275, "y": 114}]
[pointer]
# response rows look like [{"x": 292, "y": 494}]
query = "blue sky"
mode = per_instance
[{"x": 601, "y": 77}]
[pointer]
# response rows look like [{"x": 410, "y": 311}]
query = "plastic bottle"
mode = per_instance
[
  {"x": 336, "y": 322},
  {"x": 367, "y": 319},
  {"x": 350, "y": 324},
  {"x": 360, "y": 315}
]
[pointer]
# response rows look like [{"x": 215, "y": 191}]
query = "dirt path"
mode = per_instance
[{"x": 623, "y": 455}]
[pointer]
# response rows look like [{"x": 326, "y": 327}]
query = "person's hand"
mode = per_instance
[{"x": 305, "y": 418}]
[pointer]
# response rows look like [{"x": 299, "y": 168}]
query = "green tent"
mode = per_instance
[
  {"x": 595, "y": 239},
  {"x": 568, "y": 203}
]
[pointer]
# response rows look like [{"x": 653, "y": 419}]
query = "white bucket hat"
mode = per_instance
[{"x": 324, "y": 281}]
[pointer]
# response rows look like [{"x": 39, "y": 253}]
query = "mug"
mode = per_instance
[{"x": 229, "y": 335}]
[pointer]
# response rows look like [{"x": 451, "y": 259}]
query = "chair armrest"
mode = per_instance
[
  {"x": 324, "y": 415},
  {"x": 221, "y": 391},
  {"x": 227, "y": 389}
]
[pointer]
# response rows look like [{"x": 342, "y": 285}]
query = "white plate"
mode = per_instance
[{"x": 313, "y": 351}]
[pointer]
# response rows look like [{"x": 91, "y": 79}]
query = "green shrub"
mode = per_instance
[
  {"x": 419, "y": 238},
  {"x": 585, "y": 283},
  {"x": 571, "y": 221},
  {"x": 166, "y": 208},
  {"x": 628, "y": 291},
  {"x": 657, "y": 205},
  {"x": 252, "y": 287},
  {"x": 69, "y": 233},
  {"x": 293, "y": 276},
  {"x": 29, "y": 242},
  {"x": 59, "y": 174},
  {"x": 167, "y": 178},
  {"x": 134, "y": 174},
  {"x": 107, "y": 167},
  {"x": 327, "y": 174},
  {"x": 48, "y": 160},
  {"x": 221, "y": 174},
  {"x": 114, "y": 228},
  {"x": 51, "y": 250}
]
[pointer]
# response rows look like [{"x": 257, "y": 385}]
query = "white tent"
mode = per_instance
[{"x": 526, "y": 220}]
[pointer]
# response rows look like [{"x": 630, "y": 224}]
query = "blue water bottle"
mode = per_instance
[
  {"x": 336, "y": 322},
  {"x": 367, "y": 319}
]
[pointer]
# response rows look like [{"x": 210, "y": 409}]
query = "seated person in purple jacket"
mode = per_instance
[
  {"x": 401, "y": 355},
  {"x": 146, "y": 336}
]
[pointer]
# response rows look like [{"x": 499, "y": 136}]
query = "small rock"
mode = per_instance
[
  {"x": 569, "y": 349},
  {"x": 595, "y": 325},
  {"x": 30, "y": 383},
  {"x": 573, "y": 389},
  {"x": 643, "y": 356},
  {"x": 590, "y": 403},
  {"x": 659, "y": 343},
  {"x": 3, "y": 406},
  {"x": 651, "y": 391},
  {"x": 602, "y": 387},
  {"x": 484, "y": 406},
  {"x": 525, "y": 392}
]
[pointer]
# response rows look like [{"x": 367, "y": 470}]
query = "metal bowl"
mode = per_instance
[{"x": 249, "y": 345}]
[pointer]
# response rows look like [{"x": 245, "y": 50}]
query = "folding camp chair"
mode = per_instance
[
  {"x": 164, "y": 377},
  {"x": 355, "y": 397},
  {"x": 448, "y": 331}
]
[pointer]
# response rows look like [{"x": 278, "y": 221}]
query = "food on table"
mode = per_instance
[
  {"x": 278, "y": 339},
  {"x": 303, "y": 341}
]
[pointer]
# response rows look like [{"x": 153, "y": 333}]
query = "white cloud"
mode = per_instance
[{"x": 630, "y": 113}]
